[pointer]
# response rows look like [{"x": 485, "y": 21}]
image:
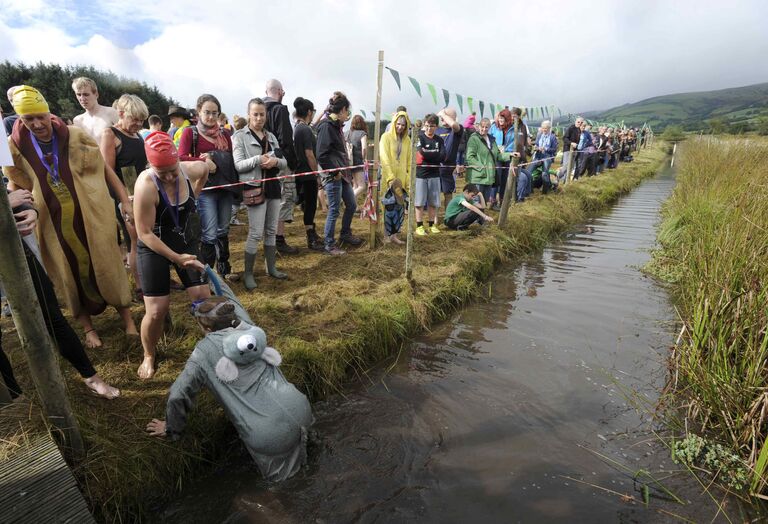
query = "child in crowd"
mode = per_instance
[{"x": 463, "y": 211}]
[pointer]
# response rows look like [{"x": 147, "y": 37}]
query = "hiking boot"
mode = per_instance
[
  {"x": 350, "y": 239},
  {"x": 334, "y": 251},
  {"x": 314, "y": 242},
  {"x": 434, "y": 229},
  {"x": 283, "y": 248},
  {"x": 420, "y": 231}
]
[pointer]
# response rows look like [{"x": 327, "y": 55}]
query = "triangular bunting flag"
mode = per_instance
[
  {"x": 396, "y": 76},
  {"x": 416, "y": 86},
  {"x": 446, "y": 97},
  {"x": 460, "y": 100},
  {"x": 481, "y": 105},
  {"x": 470, "y": 104},
  {"x": 433, "y": 92},
  {"x": 363, "y": 113}
]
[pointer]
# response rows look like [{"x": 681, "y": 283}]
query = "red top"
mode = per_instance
[{"x": 203, "y": 145}]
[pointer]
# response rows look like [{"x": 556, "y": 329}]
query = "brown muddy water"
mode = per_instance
[{"x": 498, "y": 415}]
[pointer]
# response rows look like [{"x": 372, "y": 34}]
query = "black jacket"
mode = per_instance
[
  {"x": 331, "y": 149},
  {"x": 279, "y": 124},
  {"x": 571, "y": 136}
]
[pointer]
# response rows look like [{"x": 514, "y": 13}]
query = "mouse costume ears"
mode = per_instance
[{"x": 245, "y": 345}]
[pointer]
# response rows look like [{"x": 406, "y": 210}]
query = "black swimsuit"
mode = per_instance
[{"x": 183, "y": 237}]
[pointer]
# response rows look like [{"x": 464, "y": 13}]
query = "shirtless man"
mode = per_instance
[{"x": 96, "y": 118}]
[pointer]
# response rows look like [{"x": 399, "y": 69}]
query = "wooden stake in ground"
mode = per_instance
[
  {"x": 374, "y": 172},
  {"x": 511, "y": 178},
  {"x": 411, "y": 209},
  {"x": 35, "y": 340}
]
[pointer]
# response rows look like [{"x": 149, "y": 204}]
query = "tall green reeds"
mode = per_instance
[{"x": 714, "y": 248}]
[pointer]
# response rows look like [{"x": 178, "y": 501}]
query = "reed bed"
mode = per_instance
[
  {"x": 334, "y": 319},
  {"x": 714, "y": 250}
]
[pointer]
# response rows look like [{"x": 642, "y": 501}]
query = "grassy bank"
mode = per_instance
[
  {"x": 333, "y": 318},
  {"x": 714, "y": 249}
]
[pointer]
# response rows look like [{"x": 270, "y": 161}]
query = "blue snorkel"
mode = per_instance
[{"x": 214, "y": 279}]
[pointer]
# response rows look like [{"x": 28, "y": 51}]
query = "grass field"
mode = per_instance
[{"x": 333, "y": 318}]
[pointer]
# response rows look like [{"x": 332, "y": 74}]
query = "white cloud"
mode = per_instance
[{"x": 577, "y": 55}]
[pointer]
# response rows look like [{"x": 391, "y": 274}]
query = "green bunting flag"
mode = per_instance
[
  {"x": 481, "y": 105},
  {"x": 415, "y": 84},
  {"x": 460, "y": 100},
  {"x": 363, "y": 113},
  {"x": 447, "y": 97},
  {"x": 470, "y": 104},
  {"x": 433, "y": 92},
  {"x": 396, "y": 76}
]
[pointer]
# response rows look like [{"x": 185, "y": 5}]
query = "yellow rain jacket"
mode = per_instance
[{"x": 394, "y": 166}]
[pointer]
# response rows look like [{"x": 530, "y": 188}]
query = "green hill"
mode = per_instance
[{"x": 736, "y": 108}]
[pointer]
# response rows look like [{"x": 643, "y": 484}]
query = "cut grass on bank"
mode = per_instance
[
  {"x": 334, "y": 317},
  {"x": 714, "y": 249}
]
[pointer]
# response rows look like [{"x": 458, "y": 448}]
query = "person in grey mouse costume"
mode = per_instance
[{"x": 234, "y": 362}]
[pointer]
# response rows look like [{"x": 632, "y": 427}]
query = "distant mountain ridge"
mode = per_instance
[{"x": 734, "y": 106}]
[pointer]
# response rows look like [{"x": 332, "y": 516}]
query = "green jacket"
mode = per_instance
[{"x": 481, "y": 161}]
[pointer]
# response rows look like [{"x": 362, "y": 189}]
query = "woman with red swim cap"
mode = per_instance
[{"x": 168, "y": 228}]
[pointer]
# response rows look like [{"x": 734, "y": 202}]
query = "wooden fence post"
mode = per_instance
[
  {"x": 37, "y": 344},
  {"x": 375, "y": 171},
  {"x": 411, "y": 208}
]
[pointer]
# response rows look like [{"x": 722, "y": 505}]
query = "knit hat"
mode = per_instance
[
  {"x": 160, "y": 150},
  {"x": 29, "y": 101}
]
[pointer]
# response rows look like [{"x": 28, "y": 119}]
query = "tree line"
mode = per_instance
[{"x": 55, "y": 82}]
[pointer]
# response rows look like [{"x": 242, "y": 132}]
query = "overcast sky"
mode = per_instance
[{"x": 577, "y": 55}]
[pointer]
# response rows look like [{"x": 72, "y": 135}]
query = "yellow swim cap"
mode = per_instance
[{"x": 28, "y": 101}]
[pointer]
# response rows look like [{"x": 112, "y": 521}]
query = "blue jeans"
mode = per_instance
[
  {"x": 524, "y": 184},
  {"x": 545, "y": 164},
  {"x": 486, "y": 190},
  {"x": 215, "y": 208},
  {"x": 336, "y": 191}
]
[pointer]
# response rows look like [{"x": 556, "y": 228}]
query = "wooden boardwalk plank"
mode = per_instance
[{"x": 36, "y": 485}]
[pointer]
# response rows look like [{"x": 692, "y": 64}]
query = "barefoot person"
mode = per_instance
[
  {"x": 97, "y": 117},
  {"x": 233, "y": 361},
  {"x": 168, "y": 235},
  {"x": 62, "y": 166},
  {"x": 66, "y": 339},
  {"x": 123, "y": 152}
]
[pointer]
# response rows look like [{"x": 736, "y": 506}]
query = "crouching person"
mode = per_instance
[
  {"x": 233, "y": 361},
  {"x": 462, "y": 212}
]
